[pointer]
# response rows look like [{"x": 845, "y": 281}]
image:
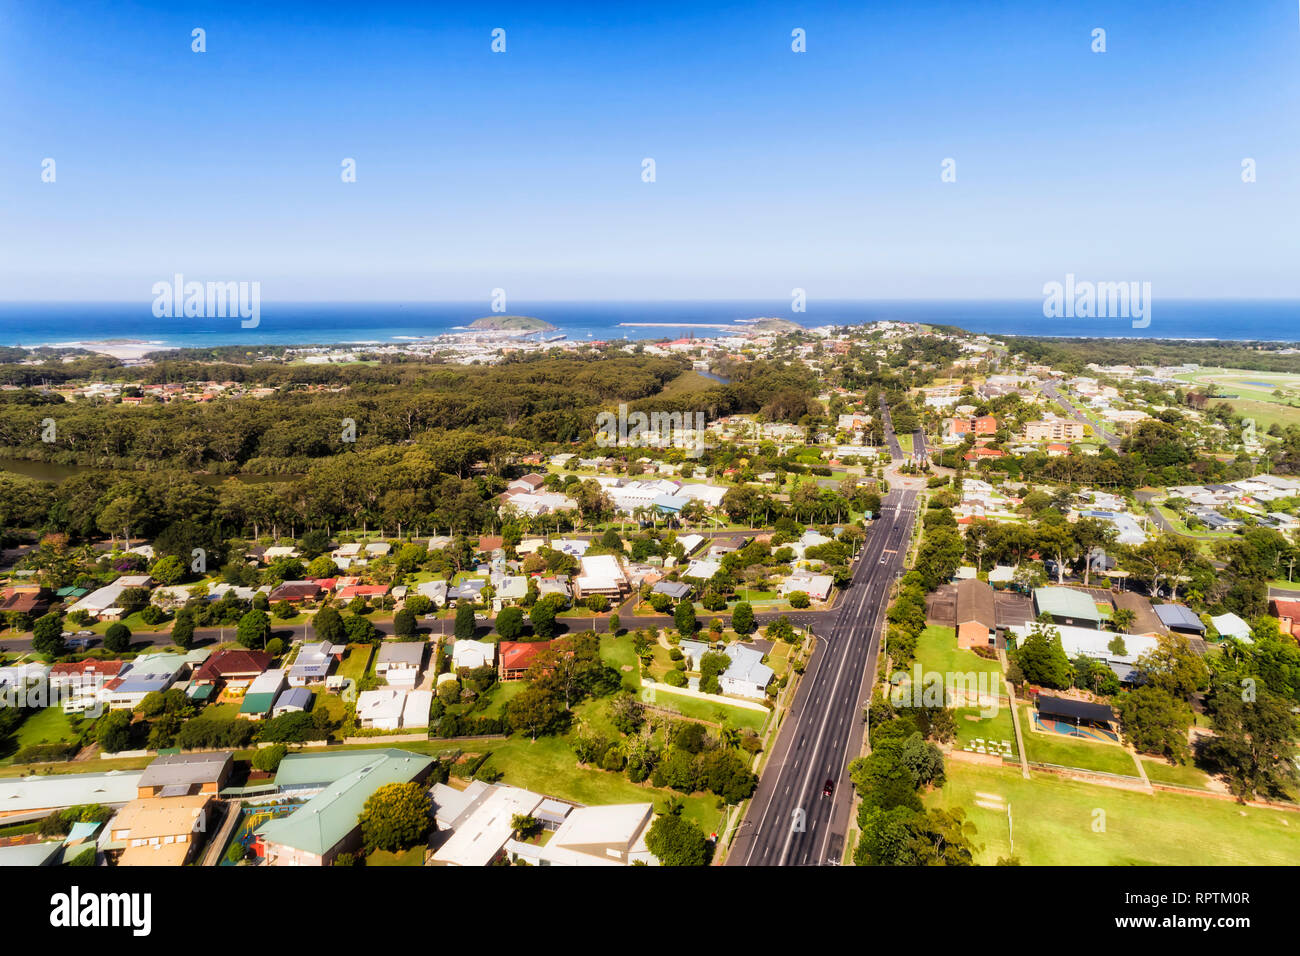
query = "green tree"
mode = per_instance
[
  {"x": 328, "y": 625},
  {"x": 113, "y": 731},
  {"x": 1041, "y": 658},
  {"x": 404, "y": 623},
  {"x": 684, "y": 618},
  {"x": 510, "y": 623},
  {"x": 47, "y": 635},
  {"x": 254, "y": 628},
  {"x": 117, "y": 638},
  {"x": 168, "y": 570},
  {"x": 676, "y": 841},
  {"x": 396, "y": 816},
  {"x": 1156, "y": 722},
  {"x": 464, "y": 620},
  {"x": 183, "y": 629},
  {"x": 742, "y": 618}
]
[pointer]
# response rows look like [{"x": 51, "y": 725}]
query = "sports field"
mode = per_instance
[
  {"x": 1267, "y": 397},
  {"x": 1058, "y": 822}
]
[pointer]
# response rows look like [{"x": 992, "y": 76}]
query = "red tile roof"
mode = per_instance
[
  {"x": 107, "y": 668},
  {"x": 233, "y": 663},
  {"x": 517, "y": 655}
]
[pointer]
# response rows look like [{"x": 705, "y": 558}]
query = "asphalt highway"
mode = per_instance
[{"x": 789, "y": 821}]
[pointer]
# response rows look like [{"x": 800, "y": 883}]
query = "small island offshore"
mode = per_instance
[{"x": 510, "y": 323}]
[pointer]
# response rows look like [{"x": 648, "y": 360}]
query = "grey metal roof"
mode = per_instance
[
  {"x": 1177, "y": 616},
  {"x": 185, "y": 769}
]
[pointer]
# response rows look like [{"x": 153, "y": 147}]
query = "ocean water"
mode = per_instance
[{"x": 286, "y": 323}]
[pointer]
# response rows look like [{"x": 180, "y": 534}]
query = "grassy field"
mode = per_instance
[
  {"x": 1056, "y": 823},
  {"x": 412, "y": 857},
  {"x": 997, "y": 728},
  {"x": 715, "y": 711},
  {"x": 49, "y": 725},
  {"x": 549, "y": 766},
  {"x": 1185, "y": 776},
  {"x": 619, "y": 654},
  {"x": 937, "y": 650},
  {"x": 1255, "y": 393}
]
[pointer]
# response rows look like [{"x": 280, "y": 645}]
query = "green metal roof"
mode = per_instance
[
  {"x": 324, "y": 820},
  {"x": 1066, "y": 602},
  {"x": 256, "y": 704},
  {"x": 319, "y": 769}
]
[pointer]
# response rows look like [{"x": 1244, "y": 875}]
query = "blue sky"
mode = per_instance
[{"x": 522, "y": 170}]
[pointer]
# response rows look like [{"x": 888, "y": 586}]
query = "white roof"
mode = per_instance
[
  {"x": 383, "y": 703},
  {"x": 1231, "y": 625},
  {"x": 267, "y": 682},
  {"x": 1095, "y": 644},
  {"x": 467, "y": 653},
  {"x": 48, "y": 791},
  {"x": 702, "y": 569},
  {"x": 484, "y": 830},
  {"x": 415, "y": 712}
]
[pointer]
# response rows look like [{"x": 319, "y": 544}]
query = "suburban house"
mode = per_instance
[
  {"x": 480, "y": 819},
  {"x": 295, "y": 592},
  {"x": 179, "y": 775},
  {"x": 1180, "y": 619},
  {"x": 262, "y": 693},
  {"x": 158, "y": 831},
  {"x": 677, "y": 590},
  {"x": 471, "y": 654},
  {"x": 400, "y": 662},
  {"x": 313, "y": 663},
  {"x": 329, "y": 823},
  {"x": 235, "y": 667},
  {"x": 292, "y": 700},
  {"x": 612, "y": 835},
  {"x": 1067, "y": 606},
  {"x": 816, "y": 586},
  {"x": 77, "y": 685},
  {"x": 515, "y": 657},
  {"x": 388, "y": 708},
  {"x": 747, "y": 675},
  {"x": 144, "y": 675},
  {"x": 1288, "y": 616},
  {"x": 1230, "y": 625},
  {"x": 976, "y": 619}
]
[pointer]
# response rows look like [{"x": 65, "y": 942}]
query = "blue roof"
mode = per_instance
[
  {"x": 1178, "y": 616},
  {"x": 294, "y": 697}
]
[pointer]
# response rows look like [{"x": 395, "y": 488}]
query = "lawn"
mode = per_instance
[
  {"x": 937, "y": 650},
  {"x": 619, "y": 654},
  {"x": 412, "y": 857},
  {"x": 716, "y": 711},
  {"x": 501, "y": 694},
  {"x": 1066, "y": 752},
  {"x": 1056, "y": 823},
  {"x": 356, "y": 662},
  {"x": 1185, "y": 776},
  {"x": 548, "y": 766},
  {"x": 997, "y": 728},
  {"x": 48, "y": 725}
]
